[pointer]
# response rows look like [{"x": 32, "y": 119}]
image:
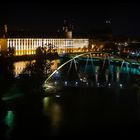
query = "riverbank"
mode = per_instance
[{"x": 50, "y": 56}]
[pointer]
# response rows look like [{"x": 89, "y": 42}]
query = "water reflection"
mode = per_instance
[
  {"x": 100, "y": 74},
  {"x": 55, "y": 64},
  {"x": 110, "y": 73},
  {"x": 9, "y": 121},
  {"x": 52, "y": 109},
  {"x": 19, "y": 67},
  {"x": 107, "y": 76},
  {"x": 73, "y": 108},
  {"x": 118, "y": 74},
  {"x": 45, "y": 105},
  {"x": 56, "y": 114}
]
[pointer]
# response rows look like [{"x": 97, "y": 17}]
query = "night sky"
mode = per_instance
[{"x": 124, "y": 17}]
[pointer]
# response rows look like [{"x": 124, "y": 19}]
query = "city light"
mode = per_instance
[
  {"x": 66, "y": 83},
  {"x": 69, "y": 69}
]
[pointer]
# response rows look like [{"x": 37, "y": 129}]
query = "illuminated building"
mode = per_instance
[{"x": 27, "y": 44}]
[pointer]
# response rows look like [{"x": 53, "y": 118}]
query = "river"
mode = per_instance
[{"x": 109, "y": 103}]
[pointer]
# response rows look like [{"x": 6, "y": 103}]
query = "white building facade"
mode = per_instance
[{"x": 28, "y": 46}]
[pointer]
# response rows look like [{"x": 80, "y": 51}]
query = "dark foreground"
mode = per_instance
[{"x": 74, "y": 111}]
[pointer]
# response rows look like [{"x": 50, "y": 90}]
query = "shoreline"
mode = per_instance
[{"x": 50, "y": 56}]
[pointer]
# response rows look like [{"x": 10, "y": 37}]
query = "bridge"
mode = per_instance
[{"x": 99, "y": 63}]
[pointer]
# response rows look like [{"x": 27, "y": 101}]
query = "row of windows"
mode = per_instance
[
  {"x": 77, "y": 40},
  {"x": 46, "y": 41},
  {"x": 34, "y": 43}
]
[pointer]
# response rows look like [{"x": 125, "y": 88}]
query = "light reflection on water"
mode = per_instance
[
  {"x": 56, "y": 114},
  {"x": 53, "y": 110},
  {"x": 55, "y": 64},
  {"x": 9, "y": 121},
  {"x": 45, "y": 105},
  {"x": 98, "y": 75},
  {"x": 80, "y": 109},
  {"x": 19, "y": 67}
]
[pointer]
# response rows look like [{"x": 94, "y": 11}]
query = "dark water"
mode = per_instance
[
  {"x": 72, "y": 111},
  {"x": 76, "y": 112}
]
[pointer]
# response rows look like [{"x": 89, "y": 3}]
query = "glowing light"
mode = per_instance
[
  {"x": 49, "y": 87},
  {"x": 57, "y": 72},
  {"x": 56, "y": 113},
  {"x": 77, "y": 56},
  {"x": 45, "y": 105},
  {"x": 57, "y": 96},
  {"x": 9, "y": 118},
  {"x": 66, "y": 83},
  {"x": 61, "y": 44},
  {"x": 76, "y": 83},
  {"x": 55, "y": 83},
  {"x": 9, "y": 121},
  {"x": 84, "y": 79},
  {"x": 132, "y": 53}
]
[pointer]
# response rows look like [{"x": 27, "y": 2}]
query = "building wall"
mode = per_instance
[
  {"x": 27, "y": 46},
  {"x": 3, "y": 45}
]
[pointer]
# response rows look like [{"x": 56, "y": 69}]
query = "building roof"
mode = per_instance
[
  {"x": 39, "y": 34},
  {"x": 31, "y": 34}
]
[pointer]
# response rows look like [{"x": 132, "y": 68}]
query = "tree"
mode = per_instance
[
  {"x": 111, "y": 48},
  {"x": 39, "y": 51},
  {"x": 11, "y": 51},
  {"x": 51, "y": 48}
]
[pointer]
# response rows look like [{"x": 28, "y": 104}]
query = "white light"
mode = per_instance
[
  {"x": 76, "y": 83},
  {"x": 108, "y": 21},
  {"x": 121, "y": 85},
  {"x": 133, "y": 53},
  {"x": 57, "y": 96},
  {"x": 55, "y": 82},
  {"x": 81, "y": 79},
  {"x": 109, "y": 84},
  {"x": 125, "y": 44},
  {"x": 84, "y": 79},
  {"x": 66, "y": 83},
  {"x": 57, "y": 72}
]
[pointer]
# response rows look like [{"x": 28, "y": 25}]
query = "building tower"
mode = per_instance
[
  {"x": 4, "y": 31},
  {"x": 67, "y": 29}
]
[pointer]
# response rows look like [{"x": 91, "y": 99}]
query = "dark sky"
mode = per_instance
[{"x": 124, "y": 17}]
